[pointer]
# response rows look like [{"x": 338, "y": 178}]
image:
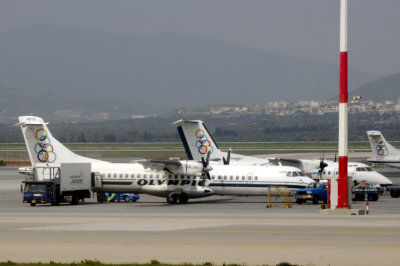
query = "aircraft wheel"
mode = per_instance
[
  {"x": 172, "y": 199},
  {"x": 183, "y": 198}
]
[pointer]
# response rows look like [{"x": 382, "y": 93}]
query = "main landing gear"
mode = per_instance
[{"x": 173, "y": 198}]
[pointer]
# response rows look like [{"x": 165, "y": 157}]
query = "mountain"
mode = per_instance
[
  {"x": 162, "y": 71},
  {"x": 384, "y": 89}
]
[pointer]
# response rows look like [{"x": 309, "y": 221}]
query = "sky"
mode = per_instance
[{"x": 302, "y": 28}]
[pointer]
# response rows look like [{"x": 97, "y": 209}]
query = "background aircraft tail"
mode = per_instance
[
  {"x": 380, "y": 147},
  {"x": 42, "y": 146},
  {"x": 198, "y": 141}
]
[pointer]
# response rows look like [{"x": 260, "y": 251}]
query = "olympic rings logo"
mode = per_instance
[
  {"x": 44, "y": 150},
  {"x": 381, "y": 148},
  {"x": 203, "y": 145}
]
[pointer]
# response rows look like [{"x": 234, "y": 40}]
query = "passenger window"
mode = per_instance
[
  {"x": 157, "y": 176},
  {"x": 151, "y": 176},
  {"x": 132, "y": 176},
  {"x": 256, "y": 178},
  {"x": 121, "y": 175},
  {"x": 115, "y": 175},
  {"x": 219, "y": 177},
  {"x": 237, "y": 177},
  {"x": 126, "y": 175},
  {"x": 138, "y": 176},
  {"x": 213, "y": 177},
  {"x": 243, "y": 178},
  {"x": 109, "y": 175},
  {"x": 225, "y": 177},
  {"x": 169, "y": 176},
  {"x": 144, "y": 176},
  {"x": 176, "y": 176}
]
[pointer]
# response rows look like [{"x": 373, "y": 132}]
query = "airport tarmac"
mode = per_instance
[{"x": 214, "y": 229}]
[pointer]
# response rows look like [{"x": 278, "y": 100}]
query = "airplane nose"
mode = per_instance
[{"x": 383, "y": 180}]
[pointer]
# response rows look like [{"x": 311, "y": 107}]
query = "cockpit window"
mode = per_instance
[
  {"x": 295, "y": 174},
  {"x": 369, "y": 169},
  {"x": 289, "y": 174},
  {"x": 301, "y": 174},
  {"x": 360, "y": 169}
]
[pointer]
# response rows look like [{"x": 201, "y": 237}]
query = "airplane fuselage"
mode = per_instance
[{"x": 225, "y": 180}]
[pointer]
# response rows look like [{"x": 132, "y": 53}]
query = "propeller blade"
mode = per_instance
[{"x": 228, "y": 158}]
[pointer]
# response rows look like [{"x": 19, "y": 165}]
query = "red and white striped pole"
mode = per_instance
[
  {"x": 342, "y": 180},
  {"x": 367, "y": 208}
]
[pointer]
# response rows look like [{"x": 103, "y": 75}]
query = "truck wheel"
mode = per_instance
[
  {"x": 315, "y": 200},
  {"x": 361, "y": 197},
  {"x": 371, "y": 197},
  {"x": 101, "y": 197},
  {"x": 394, "y": 194},
  {"x": 299, "y": 201},
  {"x": 75, "y": 200},
  {"x": 54, "y": 202},
  {"x": 126, "y": 198},
  {"x": 33, "y": 204}
]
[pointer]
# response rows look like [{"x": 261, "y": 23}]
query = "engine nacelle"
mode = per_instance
[{"x": 190, "y": 168}]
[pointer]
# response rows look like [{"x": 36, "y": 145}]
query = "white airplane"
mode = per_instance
[
  {"x": 197, "y": 141},
  {"x": 383, "y": 152},
  {"x": 175, "y": 180}
]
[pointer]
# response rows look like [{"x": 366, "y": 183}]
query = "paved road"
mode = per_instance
[{"x": 214, "y": 229}]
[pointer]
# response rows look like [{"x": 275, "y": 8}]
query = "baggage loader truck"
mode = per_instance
[{"x": 67, "y": 182}]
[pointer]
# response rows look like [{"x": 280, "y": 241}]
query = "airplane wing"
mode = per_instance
[{"x": 308, "y": 166}]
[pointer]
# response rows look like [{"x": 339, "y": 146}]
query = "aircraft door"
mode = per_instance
[
  {"x": 98, "y": 180},
  {"x": 249, "y": 178}
]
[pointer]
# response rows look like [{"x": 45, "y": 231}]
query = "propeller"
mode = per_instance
[
  {"x": 206, "y": 168},
  {"x": 322, "y": 165},
  {"x": 228, "y": 158}
]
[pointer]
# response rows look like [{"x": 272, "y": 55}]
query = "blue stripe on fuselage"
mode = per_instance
[{"x": 252, "y": 185}]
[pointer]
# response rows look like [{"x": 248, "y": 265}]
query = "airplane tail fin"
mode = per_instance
[
  {"x": 42, "y": 146},
  {"x": 198, "y": 141},
  {"x": 380, "y": 147}
]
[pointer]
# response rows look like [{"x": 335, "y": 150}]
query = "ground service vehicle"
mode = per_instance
[
  {"x": 365, "y": 191},
  {"x": 314, "y": 192},
  {"x": 394, "y": 191},
  {"x": 127, "y": 197},
  {"x": 68, "y": 182}
]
